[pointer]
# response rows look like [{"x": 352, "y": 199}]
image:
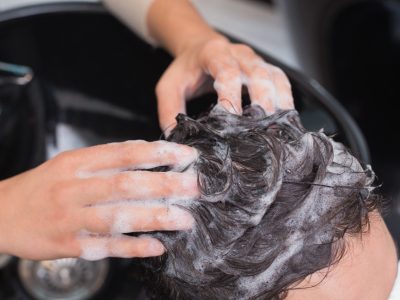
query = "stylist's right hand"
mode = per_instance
[{"x": 80, "y": 203}]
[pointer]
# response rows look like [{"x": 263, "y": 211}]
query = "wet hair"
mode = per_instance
[{"x": 275, "y": 204}]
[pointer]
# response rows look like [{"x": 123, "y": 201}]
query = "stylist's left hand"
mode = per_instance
[{"x": 231, "y": 66}]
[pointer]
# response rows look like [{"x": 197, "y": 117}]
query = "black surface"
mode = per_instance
[
  {"x": 94, "y": 55},
  {"x": 365, "y": 60},
  {"x": 353, "y": 46}
]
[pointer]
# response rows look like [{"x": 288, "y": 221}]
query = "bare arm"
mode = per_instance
[{"x": 176, "y": 24}]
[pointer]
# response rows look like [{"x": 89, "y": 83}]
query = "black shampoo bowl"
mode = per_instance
[{"x": 80, "y": 55}]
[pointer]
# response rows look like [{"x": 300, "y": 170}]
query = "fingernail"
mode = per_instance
[{"x": 155, "y": 247}]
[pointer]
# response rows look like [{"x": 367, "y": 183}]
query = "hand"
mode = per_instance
[
  {"x": 80, "y": 203},
  {"x": 231, "y": 65}
]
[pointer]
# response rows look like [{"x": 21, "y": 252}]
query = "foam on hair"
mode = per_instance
[{"x": 276, "y": 202}]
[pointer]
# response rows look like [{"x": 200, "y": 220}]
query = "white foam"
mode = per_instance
[
  {"x": 304, "y": 220},
  {"x": 253, "y": 284},
  {"x": 92, "y": 248},
  {"x": 180, "y": 218},
  {"x": 231, "y": 92},
  {"x": 96, "y": 247},
  {"x": 122, "y": 222},
  {"x": 183, "y": 156},
  {"x": 120, "y": 219},
  {"x": 269, "y": 91},
  {"x": 82, "y": 174}
]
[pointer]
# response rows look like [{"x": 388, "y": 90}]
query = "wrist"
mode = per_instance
[
  {"x": 199, "y": 40},
  {"x": 3, "y": 217},
  {"x": 176, "y": 25}
]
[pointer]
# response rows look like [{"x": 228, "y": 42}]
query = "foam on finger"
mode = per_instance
[
  {"x": 143, "y": 216},
  {"x": 93, "y": 247},
  {"x": 268, "y": 85},
  {"x": 108, "y": 160},
  {"x": 229, "y": 89},
  {"x": 127, "y": 220},
  {"x": 96, "y": 247}
]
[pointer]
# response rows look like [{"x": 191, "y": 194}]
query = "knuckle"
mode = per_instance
[
  {"x": 59, "y": 193},
  {"x": 261, "y": 72},
  {"x": 235, "y": 73},
  {"x": 64, "y": 240},
  {"x": 122, "y": 181},
  {"x": 244, "y": 49},
  {"x": 98, "y": 222},
  {"x": 64, "y": 160},
  {"x": 158, "y": 154},
  {"x": 61, "y": 218},
  {"x": 168, "y": 151},
  {"x": 102, "y": 226},
  {"x": 279, "y": 74},
  {"x": 70, "y": 247},
  {"x": 189, "y": 184},
  {"x": 212, "y": 45},
  {"x": 167, "y": 182},
  {"x": 127, "y": 154},
  {"x": 161, "y": 218},
  {"x": 162, "y": 145},
  {"x": 67, "y": 245},
  {"x": 127, "y": 151},
  {"x": 86, "y": 220},
  {"x": 229, "y": 75}
]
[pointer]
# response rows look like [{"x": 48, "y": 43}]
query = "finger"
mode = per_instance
[
  {"x": 170, "y": 93},
  {"x": 259, "y": 83},
  {"x": 140, "y": 216},
  {"x": 263, "y": 92},
  {"x": 228, "y": 81},
  {"x": 96, "y": 247},
  {"x": 134, "y": 186},
  {"x": 284, "y": 88},
  {"x": 268, "y": 86},
  {"x": 132, "y": 155}
]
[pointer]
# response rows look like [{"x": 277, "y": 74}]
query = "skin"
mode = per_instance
[
  {"x": 46, "y": 210},
  {"x": 366, "y": 271},
  {"x": 74, "y": 200},
  {"x": 204, "y": 58},
  {"x": 57, "y": 209}
]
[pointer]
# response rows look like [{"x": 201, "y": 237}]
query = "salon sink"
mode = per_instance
[
  {"x": 353, "y": 47},
  {"x": 93, "y": 82}
]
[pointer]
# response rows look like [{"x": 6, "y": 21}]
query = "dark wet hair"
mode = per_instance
[{"x": 276, "y": 202}]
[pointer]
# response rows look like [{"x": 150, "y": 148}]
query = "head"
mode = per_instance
[{"x": 276, "y": 202}]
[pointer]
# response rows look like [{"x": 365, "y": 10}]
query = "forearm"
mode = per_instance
[
  {"x": 133, "y": 13},
  {"x": 3, "y": 215},
  {"x": 176, "y": 24},
  {"x": 172, "y": 24},
  {"x": 1, "y": 221}
]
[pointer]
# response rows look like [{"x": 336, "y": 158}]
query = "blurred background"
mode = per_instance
[{"x": 64, "y": 84}]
